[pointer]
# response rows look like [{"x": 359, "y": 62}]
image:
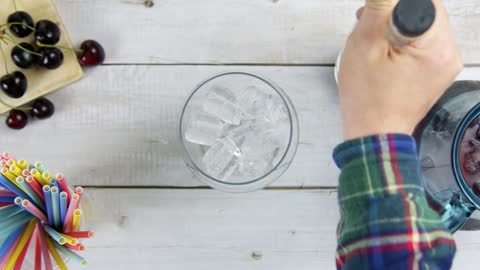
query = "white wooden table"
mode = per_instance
[{"x": 115, "y": 131}]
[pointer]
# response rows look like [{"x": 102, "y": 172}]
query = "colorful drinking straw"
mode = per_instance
[
  {"x": 38, "y": 252},
  {"x": 63, "y": 206},
  {"x": 56, "y": 207},
  {"x": 43, "y": 245},
  {"x": 77, "y": 214},
  {"x": 67, "y": 223},
  {"x": 33, "y": 205},
  {"x": 51, "y": 248},
  {"x": 48, "y": 203}
]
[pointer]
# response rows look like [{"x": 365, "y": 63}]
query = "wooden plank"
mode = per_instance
[
  {"x": 235, "y": 31},
  {"x": 205, "y": 229},
  {"x": 119, "y": 125}
]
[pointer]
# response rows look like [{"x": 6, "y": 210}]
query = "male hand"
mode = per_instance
[{"x": 389, "y": 89}]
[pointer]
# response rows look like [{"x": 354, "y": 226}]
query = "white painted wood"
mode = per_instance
[
  {"x": 207, "y": 229},
  {"x": 118, "y": 126},
  {"x": 235, "y": 31}
]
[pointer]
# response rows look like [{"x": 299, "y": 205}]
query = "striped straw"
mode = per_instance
[
  {"x": 55, "y": 235},
  {"x": 63, "y": 186},
  {"x": 55, "y": 255},
  {"x": 63, "y": 206},
  {"x": 29, "y": 191},
  {"x": 56, "y": 207},
  {"x": 48, "y": 203},
  {"x": 26, "y": 237},
  {"x": 30, "y": 207},
  {"x": 72, "y": 255},
  {"x": 35, "y": 186},
  {"x": 43, "y": 245},
  {"x": 67, "y": 223}
]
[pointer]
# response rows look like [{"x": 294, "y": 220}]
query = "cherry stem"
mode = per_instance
[
  {"x": 15, "y": 4},
  {"x": 21, "y": 47},
  {"x": 57, "y": 46},
  {"x": 19, "y": 23},
  {"x": 4, "y": 59}
]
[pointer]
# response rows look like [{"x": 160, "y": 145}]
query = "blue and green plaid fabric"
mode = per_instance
[{"x": 386, "y": 222}]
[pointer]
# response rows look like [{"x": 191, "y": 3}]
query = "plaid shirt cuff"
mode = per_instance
[
  {"x": 377, "y": 159},
  {"x": 386, "y": 222}
]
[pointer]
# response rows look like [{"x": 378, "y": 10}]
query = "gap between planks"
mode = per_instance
[{"x": 320, "y": 188}]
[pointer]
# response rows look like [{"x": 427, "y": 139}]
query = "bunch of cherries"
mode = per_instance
[{"x": 43, "y": 53}]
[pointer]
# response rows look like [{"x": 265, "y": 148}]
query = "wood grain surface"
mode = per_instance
[
  {"x": 147, "y": 229},
  {"x": 235, "y": 31},
  {"x": 118, "y": 127}
]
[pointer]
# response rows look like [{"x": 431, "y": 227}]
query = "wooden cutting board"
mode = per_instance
[{"x": 40, "y": 81}]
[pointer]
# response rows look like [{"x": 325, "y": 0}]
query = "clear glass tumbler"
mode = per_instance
[{"x": 239, "y": 132}]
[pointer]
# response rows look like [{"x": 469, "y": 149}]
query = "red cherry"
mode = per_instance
[
  {"x": 17, "y": 119},
  {"x": 92, "y": 53}
]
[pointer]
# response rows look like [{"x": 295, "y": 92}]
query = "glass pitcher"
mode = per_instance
[{"x": 446, "y": 140}]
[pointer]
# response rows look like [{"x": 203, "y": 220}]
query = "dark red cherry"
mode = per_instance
[
  {"x": 92, "y": 53},
  {"x": 17, "y": 119}
]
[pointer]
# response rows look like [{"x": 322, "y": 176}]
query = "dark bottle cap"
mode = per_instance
[{"x": 413, "y": 18}]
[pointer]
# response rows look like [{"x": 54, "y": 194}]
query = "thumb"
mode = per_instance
[
  {"x": 375, "y": 17},
  {"x": 381, "y": 6}
]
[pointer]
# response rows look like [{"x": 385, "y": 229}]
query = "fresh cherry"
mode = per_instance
[
  {"x": 14, "y": 85},
  {"x": 23, "y": 58},
  {"x": 92, "y": 53},
  {"x": 47, "y": 32},
  {"x": 21, "y": 21},
  {"x": 51, "y": 58},
  {"x": 17, "y": 119},
  {"x": 42, "y": 108}
]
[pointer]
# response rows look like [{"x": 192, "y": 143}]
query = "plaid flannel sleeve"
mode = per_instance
[{"x": 386, "y": 222}]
